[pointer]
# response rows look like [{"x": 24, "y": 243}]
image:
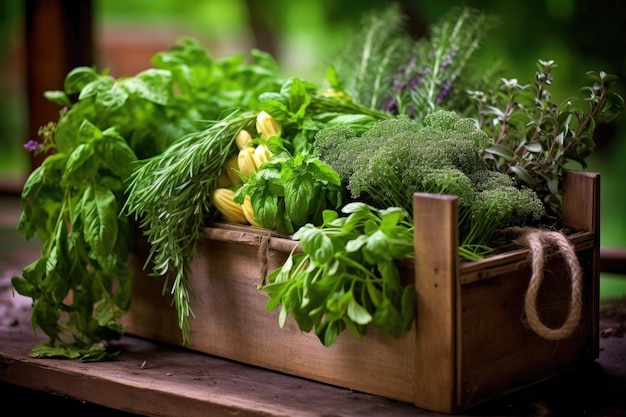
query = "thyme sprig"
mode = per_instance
[{"x": 534, "y": 137}]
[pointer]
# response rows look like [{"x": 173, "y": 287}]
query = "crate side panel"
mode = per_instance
[
  {"x": 232, "y": 322},
  {"x": 500, "y": 353},
  {"x": 151, "y": 314}
]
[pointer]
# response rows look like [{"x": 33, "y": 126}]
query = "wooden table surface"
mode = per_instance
[{"x": 157, "y": 380}]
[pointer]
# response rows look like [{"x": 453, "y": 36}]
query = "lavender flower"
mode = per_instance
[
  {"x": 444, "y": 92},
  {"x": 447, "y": 61},
  {"x": 32, "y": 145},
  {"x": 390, "y": 105}
]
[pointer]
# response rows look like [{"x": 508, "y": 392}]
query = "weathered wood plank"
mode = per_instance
[{"x": 436, "y": 286}]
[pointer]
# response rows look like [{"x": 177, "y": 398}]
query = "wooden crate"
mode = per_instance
[{"x": 469, "y": 342}]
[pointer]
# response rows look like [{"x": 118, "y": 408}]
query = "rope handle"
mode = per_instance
[{"x": 537, "y": 241}]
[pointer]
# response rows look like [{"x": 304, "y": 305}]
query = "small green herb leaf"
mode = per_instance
[{"x": 100, "y": 210}]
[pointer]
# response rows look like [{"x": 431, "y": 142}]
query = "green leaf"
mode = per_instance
[
  {"x": 115, "y": 154},
  {"x": 105, "y": 312},
  {"x": 35, "y": 272},
  {"x": 96, "y": 85},
  {"x": 55, "y": 251},
  {"x": 409, "y": 302},
  {"x": 47, "y": 351},
  {"x": 46, "y": 316},
  {"x": 98, "y": 353},
  {"x": 501, "y": 150},
  {"x": 58, "y": 97},
  {"x": 34, "y": 182},
  {"x": 82, "y": 165},
  {"x": 388, "y": 271},
  {"x": 78, "y": 78},
  {"x": 93, "y": 353},
  {"x": 357, "y": 243},
  {"x": 88, "y": 132},
  {"x": 357, "y": 313},
  {"x": 329, "y": 216},
  {"x": 332, "y": 77},
  {"x": 534, "y": 147},
  {"x": 100, "y": 219},
  {"x": 374, "y": 293},
  {"x": 299, "y": 98},
  {"x": 323, "y": 173},
  {"x": 154, "y": 85},
  {"x": 266, "y": 210},
  {"x": 390, "y": 217},
  {"x": 329, "y": 331},
  {"x": 23, "y": 287},
  {"x": 318, "y": 245},
  {"x": 276, "y": 290},
  {"x": 524, "y": 175},
  {"x": 112, "y": 99},
  {"x": 298, "y": 197}
]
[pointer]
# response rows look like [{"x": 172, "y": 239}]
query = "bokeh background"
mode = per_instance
[{"x": 304, "y": 35}]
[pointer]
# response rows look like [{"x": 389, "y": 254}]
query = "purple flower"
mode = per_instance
[
  {"x": 445, "y": 91},
  {"x": 447, "y": 60},
  {"x": 32, "y": 145},
  {"x": 390, "y": 105}
]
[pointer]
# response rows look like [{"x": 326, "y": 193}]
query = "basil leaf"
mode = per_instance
[{"x": 100, "y": 219}]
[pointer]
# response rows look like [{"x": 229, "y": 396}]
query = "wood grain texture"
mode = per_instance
[{"x": 436, "y": 285}]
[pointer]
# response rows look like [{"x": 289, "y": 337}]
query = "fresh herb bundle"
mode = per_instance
[
  {"x": 535, "y": 138},
  {"x": 169, "y": 195},
  {"x": 346, "y": 276},
  {"x": 383, "y": 68},
  {"x": 291, "y": 190},
  {"x": 74, "y": 201},
  {"x": 441, "y": 154}
]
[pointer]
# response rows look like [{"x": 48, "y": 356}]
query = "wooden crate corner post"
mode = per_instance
[
  {"x": 584, "y": 214},
  {"x": 436, "y": 239}
]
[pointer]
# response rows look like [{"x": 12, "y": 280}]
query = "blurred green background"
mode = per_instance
[{"x": 579, "y": 35}]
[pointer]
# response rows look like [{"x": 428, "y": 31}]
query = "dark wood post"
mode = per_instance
[{"x": 59, "y": 37}]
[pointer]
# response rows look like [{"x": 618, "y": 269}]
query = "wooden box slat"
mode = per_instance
[
  {"x": 436, "y": 268},
  {"x": 469, "y": 343}
]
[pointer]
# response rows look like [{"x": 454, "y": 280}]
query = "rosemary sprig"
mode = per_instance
[
  {"x": 384, "y": 69},
  {"x": 369, "y": 61},
  {"x": 170, "y": 195},
  {"x": 433, "y": 76}
]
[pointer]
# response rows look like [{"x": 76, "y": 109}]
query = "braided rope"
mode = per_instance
[{"x": 537, "y": 241}]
